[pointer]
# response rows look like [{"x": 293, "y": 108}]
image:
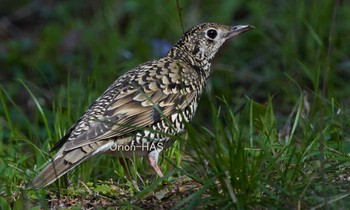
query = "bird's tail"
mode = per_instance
[{"x": 65, "y": 161}]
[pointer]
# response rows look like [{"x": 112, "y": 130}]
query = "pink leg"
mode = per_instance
[{"x": 153, "y": 160}]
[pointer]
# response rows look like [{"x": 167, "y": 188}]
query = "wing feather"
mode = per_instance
[{"x": 133, "y": 107}]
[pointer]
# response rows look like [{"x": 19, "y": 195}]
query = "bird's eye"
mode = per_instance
[{"x": 212, "y": 33}]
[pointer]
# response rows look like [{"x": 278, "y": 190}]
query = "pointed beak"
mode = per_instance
[{"x": 235, "y": 30}]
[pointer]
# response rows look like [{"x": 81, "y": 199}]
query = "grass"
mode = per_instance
[{"x": 272, "y": 127}]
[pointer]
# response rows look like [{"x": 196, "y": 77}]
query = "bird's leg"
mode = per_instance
[{"x": 153, "y": 161}]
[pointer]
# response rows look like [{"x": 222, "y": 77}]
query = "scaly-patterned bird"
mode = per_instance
[{"x": 146, "y": 105}]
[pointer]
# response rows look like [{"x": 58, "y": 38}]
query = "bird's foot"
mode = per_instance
[{"x": 153, "y": 161}]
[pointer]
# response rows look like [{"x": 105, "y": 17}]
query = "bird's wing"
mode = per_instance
[{"x": 147, "y": 97}]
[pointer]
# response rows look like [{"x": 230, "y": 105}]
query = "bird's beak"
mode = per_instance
[{"x": 235, "y": 30}]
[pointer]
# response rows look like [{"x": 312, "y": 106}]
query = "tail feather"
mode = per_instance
[{"x": 65, "y": 161}]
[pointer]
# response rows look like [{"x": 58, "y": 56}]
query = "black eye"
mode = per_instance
[{"x": 212, "y": 33}]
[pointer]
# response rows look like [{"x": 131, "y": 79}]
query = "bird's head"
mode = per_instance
[{"x": 203, "y": 41}]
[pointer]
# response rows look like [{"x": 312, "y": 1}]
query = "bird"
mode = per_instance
[{"x": 144, "y": 107}]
